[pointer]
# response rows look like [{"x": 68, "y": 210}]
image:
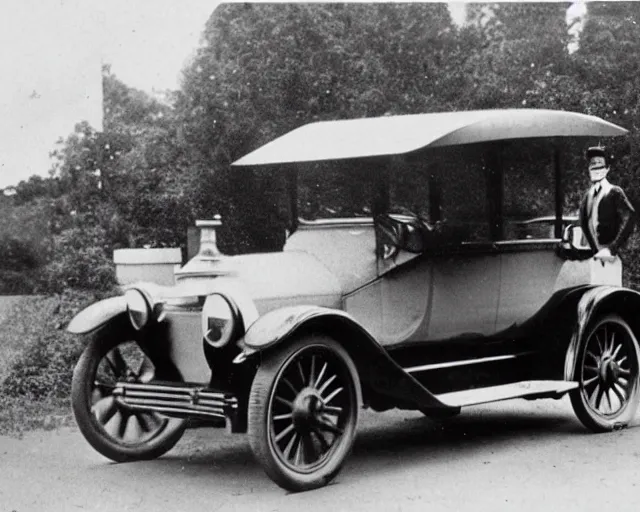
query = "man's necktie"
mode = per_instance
[{"x": 593, "y": 213}]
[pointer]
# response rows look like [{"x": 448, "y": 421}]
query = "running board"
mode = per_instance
[{"x": 524, "y": 389}]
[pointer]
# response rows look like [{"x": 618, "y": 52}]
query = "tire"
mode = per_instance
[
  {"x": 303, "y": 412},
  {"x": 607, "y": 370},
  {"x": 114, "y": 431}
]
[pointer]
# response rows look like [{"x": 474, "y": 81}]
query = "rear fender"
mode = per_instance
[
  {"x": 596, "y": 302},
  {"x": 92, "y": 317},
  {"x": 378, "y": 372}
]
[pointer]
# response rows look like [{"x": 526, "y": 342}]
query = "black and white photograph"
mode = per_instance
[{"x": 364, "y": 256}]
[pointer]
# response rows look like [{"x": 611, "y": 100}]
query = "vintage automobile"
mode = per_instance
[{"x": 462, "y": 285}]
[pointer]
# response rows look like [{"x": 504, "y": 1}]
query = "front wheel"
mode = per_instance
[
  {"x": 118, "y": 433},
  {"x": 607, "y": 370},
  {"x": 303, "y": 411}
]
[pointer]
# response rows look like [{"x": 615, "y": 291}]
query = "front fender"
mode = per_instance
[
  {"x": 279, "y": 324},
  {"x": 92, "y": 317},
  {"x": 598, "y": 301},
  {"x": 378, "y": 372}
]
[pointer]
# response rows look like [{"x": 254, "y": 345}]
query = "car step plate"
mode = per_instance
[{"x": 524, "y": 389}]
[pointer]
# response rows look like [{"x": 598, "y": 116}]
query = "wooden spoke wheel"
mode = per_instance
[
  {"x": 607, "y": 370},
  {"x": 303, "y": 412},
  {"x": 115, "y": 431}
]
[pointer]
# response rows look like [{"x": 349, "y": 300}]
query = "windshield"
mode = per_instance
[
  {"x": 464, "y": 188},
  {"x": 528, "y": 190},
  {"x": 447, "y": 186},
  {"x": 335, "y": 191}
]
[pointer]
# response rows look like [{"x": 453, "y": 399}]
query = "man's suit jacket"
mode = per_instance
[{"x": 615, "y": 219}]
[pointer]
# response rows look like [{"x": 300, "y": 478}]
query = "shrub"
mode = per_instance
[
  {"x": 13, "y": 282},
  {"x": 631, "y": 262},
  {"x": 80, "y": 260},
  {"x": 25, "y": 245},
  {"x": 43, "y": 366}
]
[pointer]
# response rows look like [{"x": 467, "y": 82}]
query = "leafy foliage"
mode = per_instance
[
  {"x": 118, "y": 188},
  {"x": 264, "y": 69},
  {"x": 43, "y": 366}
]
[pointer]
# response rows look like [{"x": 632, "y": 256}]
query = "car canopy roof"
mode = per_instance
[{"x": 398, "y": 135}]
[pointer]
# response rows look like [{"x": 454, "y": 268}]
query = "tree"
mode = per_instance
[
  {"x": 266, "y": 69},
  {"x": 36, "y": 187},
  {"x": 521, "y": 57}
]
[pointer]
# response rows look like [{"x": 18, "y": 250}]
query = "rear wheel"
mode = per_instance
[
  {"x": 607, "y": 370},
  {"x": 303, "y": 411},
  {"x": 115, "y": 431}
]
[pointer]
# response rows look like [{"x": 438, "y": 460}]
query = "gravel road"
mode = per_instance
[{"x": 510, "y": 456}]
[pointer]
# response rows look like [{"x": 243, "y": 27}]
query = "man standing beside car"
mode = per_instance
[{"x": 606, "y": 215}]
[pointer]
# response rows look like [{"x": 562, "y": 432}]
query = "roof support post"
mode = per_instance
[
  {"x": 381, "y": 201},
  {"x": 495, "y": 190},
  {"x": 292, "y": 192},
  {"x": 559, "y": 192}
]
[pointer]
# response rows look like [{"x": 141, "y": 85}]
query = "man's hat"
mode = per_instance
[{"x": 595, "y": 152}]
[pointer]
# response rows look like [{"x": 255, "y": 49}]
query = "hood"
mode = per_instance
[{"x": 271, "y": 279}]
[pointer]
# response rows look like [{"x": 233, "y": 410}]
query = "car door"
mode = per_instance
[
  {"x": 450, "y": 289},
  {"x": 465, "y": 293},
  {"x": 529, "y": 270},
  {"x": 529, "y": 262}
]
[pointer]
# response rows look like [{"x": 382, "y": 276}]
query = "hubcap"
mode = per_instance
[
  {"x": 608, "y": 371},
  {"x": 307, "y": 409},
  {"x": 311, "y": 407}
]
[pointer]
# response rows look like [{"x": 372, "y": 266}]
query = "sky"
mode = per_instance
[{"x": 51, "y": 59}]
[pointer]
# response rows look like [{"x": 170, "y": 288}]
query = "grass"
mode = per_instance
[
  {"x": 11, "y": 345},
  {"x": 15, "y": 333},
  {"x": 20, "y": 323},
  {"x": 37, "y": 357},
  {"x": 18, "y": 416}
]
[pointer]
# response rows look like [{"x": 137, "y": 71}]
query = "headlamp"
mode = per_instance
[
  {"x": 220, "y": 320},
  {"x": 138, "y": 308}
]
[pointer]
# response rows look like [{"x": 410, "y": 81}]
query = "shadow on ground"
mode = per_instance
[{"x": 394, "y": 438}]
